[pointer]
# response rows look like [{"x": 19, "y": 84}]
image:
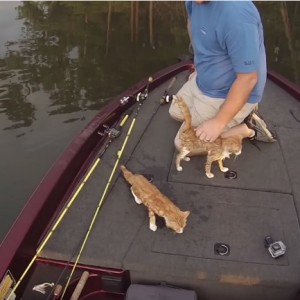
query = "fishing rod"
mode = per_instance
[
  {"x": 115, "y": 131},
  {"x": 140, "y": 98},
  {"x": 111, "y": 133}
]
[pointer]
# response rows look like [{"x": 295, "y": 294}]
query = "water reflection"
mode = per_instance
[
  {"x": 20, "y": 112},
  {"x": 82, "y": 53},
  {"x": 282, "y": 35}
]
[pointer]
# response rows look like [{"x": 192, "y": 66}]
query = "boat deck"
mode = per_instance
[{"x": 263, "y": 200}]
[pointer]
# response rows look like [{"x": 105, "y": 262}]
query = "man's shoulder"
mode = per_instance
[
  {"x": 236, "y": 5},
  {"x": 239, "y": 10},
  {"x": 233, "y": 14}
]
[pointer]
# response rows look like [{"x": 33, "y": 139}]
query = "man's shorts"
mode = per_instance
[{"x": 202, "y": 107}]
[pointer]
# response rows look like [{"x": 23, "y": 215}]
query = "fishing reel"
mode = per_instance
[
  {"x": 276, "y": 249},
  {"x": 166, "y": 98},
  {"x": 141, "y": 96}
]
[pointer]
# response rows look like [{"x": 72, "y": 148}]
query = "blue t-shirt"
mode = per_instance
[{"x": 227, "y": 39}]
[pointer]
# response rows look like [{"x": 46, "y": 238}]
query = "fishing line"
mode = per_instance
[
  {"x": 60, "y": 218},
  {"x": 61, "y": 274},
  {"x": 141, "y": 96},
  {"x": 294, "y": 116}
]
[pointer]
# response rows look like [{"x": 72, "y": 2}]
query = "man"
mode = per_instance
[{"x": 230, "y": 71}]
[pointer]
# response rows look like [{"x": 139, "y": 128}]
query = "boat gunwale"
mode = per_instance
[{"x": 289, "y": 86}]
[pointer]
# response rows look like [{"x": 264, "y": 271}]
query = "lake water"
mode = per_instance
[{"x": 60, "y": 62}]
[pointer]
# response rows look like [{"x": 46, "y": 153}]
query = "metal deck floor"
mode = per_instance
[{"x": 263, "y": 200}]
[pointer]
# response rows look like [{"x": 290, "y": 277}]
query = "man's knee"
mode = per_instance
[{"x": 175, "y": 112}]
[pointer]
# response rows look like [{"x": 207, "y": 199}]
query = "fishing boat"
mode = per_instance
[{"x": 82, "y": 236}]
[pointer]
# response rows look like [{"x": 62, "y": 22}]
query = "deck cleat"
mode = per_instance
[{"x": 124, "y": 100}]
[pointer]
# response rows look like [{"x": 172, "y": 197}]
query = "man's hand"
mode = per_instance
[
  {"x": 236, "y": 99},
  {"x": 209, "y": 130}
]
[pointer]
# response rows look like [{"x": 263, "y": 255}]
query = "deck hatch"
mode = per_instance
[{"x": 242, "y": 226}]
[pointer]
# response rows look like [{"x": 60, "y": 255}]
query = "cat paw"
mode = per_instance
[
  {"x": 187, "y": 158},
  {"x": 224, "y": 169},
  {"x": 153, "y": 227},
  {"x": 136, "y": 199},
  {"x": 210, "y": 175},
  {"x": 179, "y": 168}
]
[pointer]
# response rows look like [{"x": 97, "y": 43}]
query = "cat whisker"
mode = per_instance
[{"x": 235, "y": 157}]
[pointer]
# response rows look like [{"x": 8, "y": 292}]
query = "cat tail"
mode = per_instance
[
  {"x": 127, "y": 174},
  {"x": 186, "y": 114}
]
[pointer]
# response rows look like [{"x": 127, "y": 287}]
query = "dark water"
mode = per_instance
[{"x": 60, "y": 62}]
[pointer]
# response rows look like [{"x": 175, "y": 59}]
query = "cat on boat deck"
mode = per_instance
[
  {"x": 157, "y": 203},
  {"x": 215, "y": 151}
]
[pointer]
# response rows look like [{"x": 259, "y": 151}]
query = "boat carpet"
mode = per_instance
[{"x": 263, "y": 200}]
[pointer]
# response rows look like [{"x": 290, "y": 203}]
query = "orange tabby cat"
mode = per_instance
[
  {"x": 157, "y": 203},
  {"x": 216, "y": 151}
]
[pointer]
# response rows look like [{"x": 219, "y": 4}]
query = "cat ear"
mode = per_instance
[
  {"x": 186, "y": 213},
  {"x": 240, "y": 137}
]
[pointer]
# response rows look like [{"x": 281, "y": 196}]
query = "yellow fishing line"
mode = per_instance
[
  {"x": 124, "y": 120},
  {"x": 58, "y": 221},
  {"x": 120, "y": 152}
]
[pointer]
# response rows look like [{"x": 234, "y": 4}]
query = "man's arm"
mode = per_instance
[{"x": 236, "y": 99}]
